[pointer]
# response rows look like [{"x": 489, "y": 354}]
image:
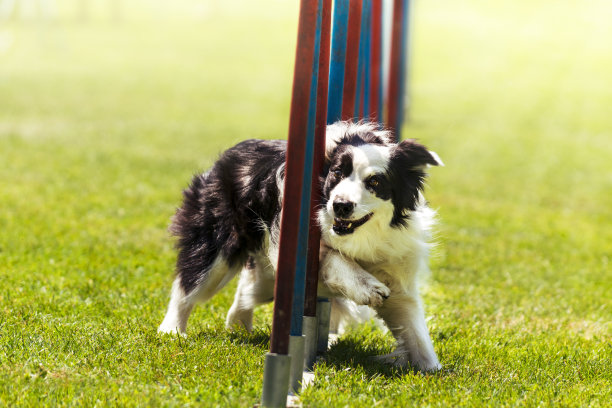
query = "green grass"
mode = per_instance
[{"x": 102, "y": 125}]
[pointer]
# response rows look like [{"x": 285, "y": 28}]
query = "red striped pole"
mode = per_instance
[
  {"x": 314, "y": 237},
  {"x": 395, "y": 66},
  {"x": 361, "y": 90},
  {"x": 352, "y": 59},
  {"x": 375, "y": 79},
  {"x": 294, "y": 170}
]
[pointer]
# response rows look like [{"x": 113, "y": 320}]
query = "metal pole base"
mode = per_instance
[
  {"x": 323, "y": 317},
  {"x": 296, "y": 351},
  {"x": 309, "y": 328},
  {"x": 276, "y": 380}
]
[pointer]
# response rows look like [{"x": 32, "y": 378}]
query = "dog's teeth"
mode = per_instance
[{"x": 350, "y": 224}]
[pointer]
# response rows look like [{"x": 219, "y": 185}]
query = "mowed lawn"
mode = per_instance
[{"x": 103, "y": 122}]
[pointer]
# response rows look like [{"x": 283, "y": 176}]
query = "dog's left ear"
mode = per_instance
[
  {"x": 415, "y": 156},
  {"x": 407, "y": 165}
]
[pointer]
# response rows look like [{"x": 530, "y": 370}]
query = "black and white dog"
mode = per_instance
[{"x": 375, "y": 229}]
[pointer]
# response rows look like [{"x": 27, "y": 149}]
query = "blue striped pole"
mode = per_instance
[
  {"x": 351, "y": 65},
  {"x": 337, "y": 63},
  {"x": 304, "y": 221},
  {"x": 363, "y": 70},
  {"x": 404, "y": 91},
  {"x": 376, "y": 52},
  {"x": 337, "y": 60},
  {"x": 311, "y": 309},
  {"x": 393, "y": 97},
  {"x": 278, "y": 360},
  {"x": 368, "y": 57},
  {"x": 296, "y": 339}
]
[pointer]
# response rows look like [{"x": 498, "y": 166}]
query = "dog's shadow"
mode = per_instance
[
  {"x": 349, "y": 351},
  {"x": 259, "y": 337}
]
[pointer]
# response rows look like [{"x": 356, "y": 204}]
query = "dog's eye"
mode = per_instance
[
  {"x": 372, "y": 182},
  {"x": 338, "y": 173}
]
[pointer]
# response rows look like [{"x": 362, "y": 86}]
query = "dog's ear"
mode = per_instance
[
  {"x": 414, "y": 155},
  {"x": 407, "y": 165}
]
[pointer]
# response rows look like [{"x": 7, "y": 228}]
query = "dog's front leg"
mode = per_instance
[
  {"x": 344, "y": 277},
  {"x": 404, "y": 315}
]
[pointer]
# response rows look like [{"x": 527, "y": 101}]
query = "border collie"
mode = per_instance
[{"x": 375, "y": 227}]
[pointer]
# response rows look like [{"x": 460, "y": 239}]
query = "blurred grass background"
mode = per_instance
[{"x": 108, "y": 108}]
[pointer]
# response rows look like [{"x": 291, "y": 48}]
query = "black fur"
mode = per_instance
[
  {"x": 223, "y": 210},
  {"x": 407, "y": 176},
  {"x": 340, "y": 167},
  {"x": 383, "y": 188}
]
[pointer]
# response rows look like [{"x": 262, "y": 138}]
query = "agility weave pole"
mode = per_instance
[
  {"x": 277, "y": 363},
  {"x": 397, "y": 88},
  {"x": 314, "y": 233},
  {"x": 345, "y": 82},
  {"x": 297, "y": 338}
]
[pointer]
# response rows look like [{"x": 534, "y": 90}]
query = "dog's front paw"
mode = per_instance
[
  {"x": 172, "y": 329},
  {"x": 426, "y": 365},
  {"x": 372, "y": 293},
  {"x": 432, "y": 368},
  {"x": 237, "y": 319}
]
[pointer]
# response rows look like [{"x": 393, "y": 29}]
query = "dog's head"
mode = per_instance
[{"x": 370, "y": 182}]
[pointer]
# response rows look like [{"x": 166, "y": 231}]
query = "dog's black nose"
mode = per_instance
[{"x": 343, "y": 208}]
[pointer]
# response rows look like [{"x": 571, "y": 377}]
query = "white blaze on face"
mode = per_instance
[{"x": 367, "y": 161}]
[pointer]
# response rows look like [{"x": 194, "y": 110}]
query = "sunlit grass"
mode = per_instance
[{"x": 103, "y": 122}]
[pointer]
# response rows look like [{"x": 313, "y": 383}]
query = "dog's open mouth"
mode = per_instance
[{"x": 345, "y": 227}]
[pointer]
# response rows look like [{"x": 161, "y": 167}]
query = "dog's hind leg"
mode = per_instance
[
  {"x": 178, "y": 311},
  {"x": 186, "y": 293},
  {"x": 256, "y": 286}
]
